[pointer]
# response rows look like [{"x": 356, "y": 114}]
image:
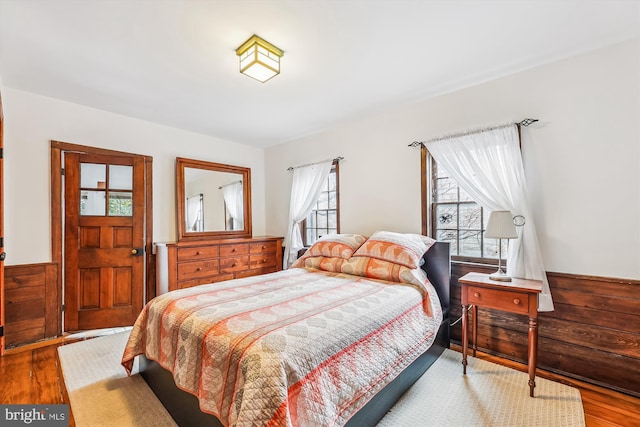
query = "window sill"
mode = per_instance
[{"x": 478, "y": 263}]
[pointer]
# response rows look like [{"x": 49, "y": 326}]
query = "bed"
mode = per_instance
[{"x": 334, "y": 340}]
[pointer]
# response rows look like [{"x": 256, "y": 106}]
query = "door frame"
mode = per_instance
[
  {"x": 57, "y": 218},
  {"x": 2, "y": 333}
]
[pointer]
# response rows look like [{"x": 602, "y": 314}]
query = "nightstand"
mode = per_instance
[{"x": 519, "y": 296}]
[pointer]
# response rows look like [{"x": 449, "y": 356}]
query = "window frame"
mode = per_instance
[
  {"x": 335, "y": 168},
  {"x": 429, "y": 174}
]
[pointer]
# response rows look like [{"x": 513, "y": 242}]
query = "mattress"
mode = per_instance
[{"x": 296, "y": 347}]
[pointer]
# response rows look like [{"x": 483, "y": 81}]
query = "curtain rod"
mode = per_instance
[
  {"x": 231, "y": 183},
  {"x": 337, "y": 159},
  {"x": 525, "y": 123}
]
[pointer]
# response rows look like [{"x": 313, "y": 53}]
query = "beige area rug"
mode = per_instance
[
  {"x": 489, "y": 395},
  {"x": 101, "y": 393}
]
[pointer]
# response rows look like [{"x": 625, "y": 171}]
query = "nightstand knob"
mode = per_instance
[
  {"x": 476, "y": 294},
  {"x": 516, "y": 301}
]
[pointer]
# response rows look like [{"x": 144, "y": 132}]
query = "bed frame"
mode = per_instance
[{"x": 185, "y": 410}]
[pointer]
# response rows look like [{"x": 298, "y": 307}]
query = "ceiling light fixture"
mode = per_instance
[{"x": 259, "y": 59}]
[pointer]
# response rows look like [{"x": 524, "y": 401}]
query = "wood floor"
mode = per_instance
[{"x": 31, "y": 375}]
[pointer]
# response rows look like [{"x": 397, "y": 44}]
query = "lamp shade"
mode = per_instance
[
  {"x": 259, "y": 59},
  {"x": 500, "y": 226}
]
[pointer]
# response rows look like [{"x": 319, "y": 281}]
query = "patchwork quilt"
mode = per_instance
[{"x": 300, "y": 347}]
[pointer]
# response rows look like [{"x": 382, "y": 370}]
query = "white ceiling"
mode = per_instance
[{"x": 174, "y": 62}]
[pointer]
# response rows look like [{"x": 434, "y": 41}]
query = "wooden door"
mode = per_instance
[
  {"x": 104, "y": 240},
  {"x": 1, "y": 231}
]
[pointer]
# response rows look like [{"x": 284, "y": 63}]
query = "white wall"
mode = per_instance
[
  {"x": 582, "y": 160},
  {"x": 31, "y": 121}
]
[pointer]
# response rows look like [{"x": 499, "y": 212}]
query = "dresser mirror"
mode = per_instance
[{"x": 214, "y": 200}]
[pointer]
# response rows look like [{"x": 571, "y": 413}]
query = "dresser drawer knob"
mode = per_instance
[
  {"x": 516, "y": 301},
  {"x": 199, "y": 269},
  {"x": 234, "y": 264},
  {"x": 233, "y": 249},
  {"x": 264, "y": 247},
  {"x": 476, "y": 294},
  {"x": 198, "y": 253}
]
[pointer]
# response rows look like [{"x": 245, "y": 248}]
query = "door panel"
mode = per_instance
[
  {"x": 104, "y": 224},
  {"x": 122, "y": 291},
  {"x": 89, "y": 288},
  {"x": 122, "y": 237}
]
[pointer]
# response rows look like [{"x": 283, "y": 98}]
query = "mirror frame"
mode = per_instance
[{"x": 183, "y": 234}]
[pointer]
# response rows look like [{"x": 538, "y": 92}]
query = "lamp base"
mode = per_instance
[{"x": 500, "y": 276}]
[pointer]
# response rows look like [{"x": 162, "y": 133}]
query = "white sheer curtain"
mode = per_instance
[
  {"x": 234, "y": 200},
  {"x": 488, "y": 166},
  {"x": 193, "y": 211},
  {"x": 305, "y": 190}
]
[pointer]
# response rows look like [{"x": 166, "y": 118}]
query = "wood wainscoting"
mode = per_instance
[
  {"x": 32, "y": 303},
  {"x": 592, "y": 335}
]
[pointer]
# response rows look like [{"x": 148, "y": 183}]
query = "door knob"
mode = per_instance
[{"x": 136, "y": 251}]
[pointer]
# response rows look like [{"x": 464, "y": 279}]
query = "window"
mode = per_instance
[
  {"x": 195, "y": 212},
  {"x": 106, "y": 190},
  {"x": 452, "y": 216},
  {"x": 325, "y": 216}
]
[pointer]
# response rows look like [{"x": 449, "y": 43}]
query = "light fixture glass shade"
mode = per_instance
[
  {"x": 500, "y": 226},
  {"x": 259, "y": 59}
]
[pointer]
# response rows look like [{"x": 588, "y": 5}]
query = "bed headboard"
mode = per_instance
[{"x": 437, "y": 264}]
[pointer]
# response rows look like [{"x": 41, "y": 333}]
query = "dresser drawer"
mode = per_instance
[
  {"x": 205, "y": 281},
  {"x": 197, "y": 269},
  {"x": 228, "y": 265},
  {"x": 255, "y": 272},
  {"x": 263, "y": 247},
  {"x": 195, "y": 253},
  {"x": 233, "y": 250},
  {"x": 514, "y": 302},
  {"x": 262, "y": 261}
]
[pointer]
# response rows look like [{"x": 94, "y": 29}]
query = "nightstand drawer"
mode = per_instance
[{"x": 514, "y": 302}]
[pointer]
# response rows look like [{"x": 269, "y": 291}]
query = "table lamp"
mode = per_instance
[{"x": 500, "y": 226}]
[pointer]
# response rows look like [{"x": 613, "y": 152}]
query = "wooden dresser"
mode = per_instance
[{"x": 208, "y": 261}]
